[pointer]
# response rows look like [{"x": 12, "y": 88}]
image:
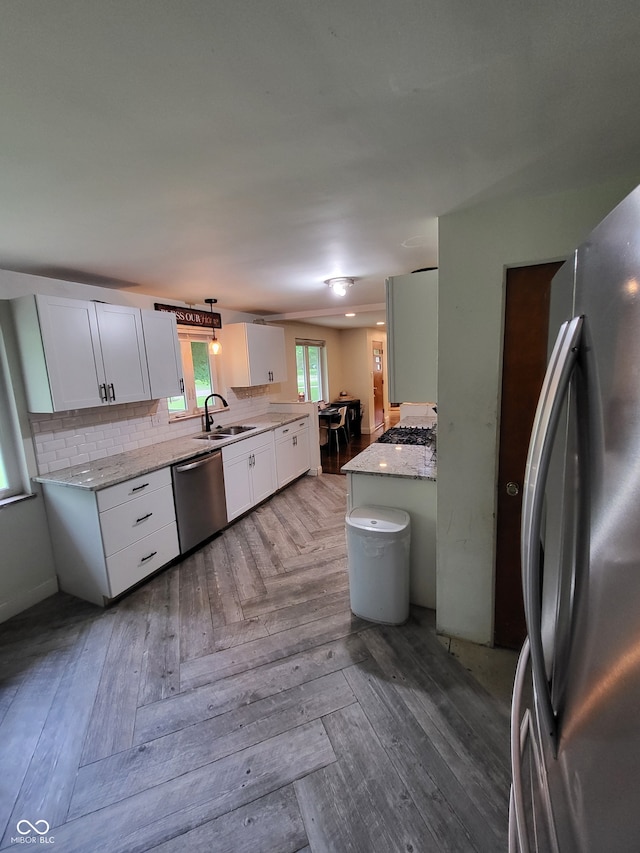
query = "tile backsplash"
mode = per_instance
[{"x": 71, "y": 438}]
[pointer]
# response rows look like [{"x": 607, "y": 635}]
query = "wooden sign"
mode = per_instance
[{"x": 192, "y": 316}]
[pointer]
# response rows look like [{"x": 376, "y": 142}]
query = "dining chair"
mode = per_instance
[{"x": 340, "y": 424}]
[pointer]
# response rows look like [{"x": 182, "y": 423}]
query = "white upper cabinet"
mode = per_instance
[
  {"x": 60, "y": 352},
  {"x": 163, "y": 353},
  {"x": 123, "y": 353},
  {"x": 255, "y": 354},
  {"x": 77, "y": 354},
  {"x": 412, "y": 337}
]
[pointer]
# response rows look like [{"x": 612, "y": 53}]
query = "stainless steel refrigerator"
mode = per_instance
[{"x": 576, "y": 706}]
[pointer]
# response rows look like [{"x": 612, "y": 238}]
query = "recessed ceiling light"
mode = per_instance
[
  {"x": 339, "y": 285},
  {"x": 380, "y": 323},
  {"x": 349, "y": 315}
]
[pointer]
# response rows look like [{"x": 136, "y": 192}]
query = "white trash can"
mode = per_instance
[{"x": 378, "y": 543}]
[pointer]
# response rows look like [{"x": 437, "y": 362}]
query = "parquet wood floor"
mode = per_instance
[{"x": 233, "y": 703}]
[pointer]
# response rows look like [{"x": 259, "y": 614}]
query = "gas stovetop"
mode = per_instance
[{"x": 408, "y": 435}]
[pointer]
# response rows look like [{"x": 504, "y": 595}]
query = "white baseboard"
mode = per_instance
[{"x": 27, "y": 599}]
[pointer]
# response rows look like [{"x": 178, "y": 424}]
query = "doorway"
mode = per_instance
[
  {"x": 524, "y": 361},
  {"x": 377, "y": 354}
]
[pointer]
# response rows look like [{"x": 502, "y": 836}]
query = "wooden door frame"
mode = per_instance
[
  {"x": 500, "y": 547},
  {"x": 377, "y": 344}
]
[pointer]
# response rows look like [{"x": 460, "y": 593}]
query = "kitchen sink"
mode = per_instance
[
  {"x": 236, "y": 429},
  {"x": 225, "y": 432}
]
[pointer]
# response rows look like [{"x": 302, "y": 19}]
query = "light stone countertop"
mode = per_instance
[
  {"x": 397, "y": 460},
  {"x": 134, "y": 463}
]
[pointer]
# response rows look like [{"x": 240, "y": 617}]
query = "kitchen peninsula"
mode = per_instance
[{"x": 403, "y": 476}]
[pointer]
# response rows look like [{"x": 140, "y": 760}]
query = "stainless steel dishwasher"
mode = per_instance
[{"x": 198, "y": 491}]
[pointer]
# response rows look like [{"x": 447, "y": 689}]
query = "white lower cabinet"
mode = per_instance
[
  {"x": 133, "y": 564},
  {"x": 249, "y": 473},
  {"x": 106, "y": 541},
  {"x": 292, "y": 451}
]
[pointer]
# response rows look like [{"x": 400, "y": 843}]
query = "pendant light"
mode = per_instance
[{"x": 215, "y": 347}]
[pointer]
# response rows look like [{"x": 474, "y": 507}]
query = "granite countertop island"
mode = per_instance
[
  {"x": 134, "y": 463},
  {"x": 397, "y": 460}
]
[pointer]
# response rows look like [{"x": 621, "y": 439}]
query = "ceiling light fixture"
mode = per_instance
[
  {"x": 215, "y": 347},
  {"x": 351, "y": 314},
  {"x": 339, "y": 285},
  {"x": 380, "y": 323}
]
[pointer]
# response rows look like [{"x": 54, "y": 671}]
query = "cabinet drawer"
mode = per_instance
[
  {"x": 134, "y": 488},
  {"x": 290, "y": 429},
  {"x": 127, "y": 523},
  {"x": 134, "y": 563},
  {"x": 246, "y": 446}
]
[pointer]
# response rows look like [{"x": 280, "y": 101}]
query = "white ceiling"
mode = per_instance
[{"x": 250, "y": 149}]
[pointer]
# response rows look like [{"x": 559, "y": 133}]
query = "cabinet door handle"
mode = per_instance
[
  {"x": 144, "y": 517},
  {"x": 103, "y": 392},
  {"x": 182, "y": 386},
  {"x": 295, "y": 440},
  {"x": 285, "y": 431},
  {"x": 137, "y": 488},
  {"x": 148, "y": 557},
  {"x": 113, "y": 392}
]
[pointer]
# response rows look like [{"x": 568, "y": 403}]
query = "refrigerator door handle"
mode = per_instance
[
  {"x": 518, "y": 842},
  {"x": 522, "y": 731},
  {"x": 535, "y": 433},
  {"x": 554, "y": 389}
]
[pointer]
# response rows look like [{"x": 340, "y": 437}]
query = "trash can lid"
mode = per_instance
[{"x": 380, "y": 519}]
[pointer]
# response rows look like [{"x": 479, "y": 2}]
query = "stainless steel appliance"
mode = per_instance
[
  {"x": 423, "y": 436},
  {"x": 576, "y": 710},
  {"x": 198, "y": 491}
]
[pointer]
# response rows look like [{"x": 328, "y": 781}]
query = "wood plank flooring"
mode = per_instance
[
  {"x": 332, "y": 458},
  {"x": 233, "y": 703}
]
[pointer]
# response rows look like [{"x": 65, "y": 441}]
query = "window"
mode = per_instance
[
  {"x": 310, "y": 368},
  {"x": 10, "y": 469},
  {"x": 199, "y": 371}
]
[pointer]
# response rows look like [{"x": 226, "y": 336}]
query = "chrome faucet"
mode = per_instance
[{"x": 208, "y": 420}]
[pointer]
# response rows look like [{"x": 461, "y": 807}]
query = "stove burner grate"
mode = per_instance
[{"x": 421, "y": 436}]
